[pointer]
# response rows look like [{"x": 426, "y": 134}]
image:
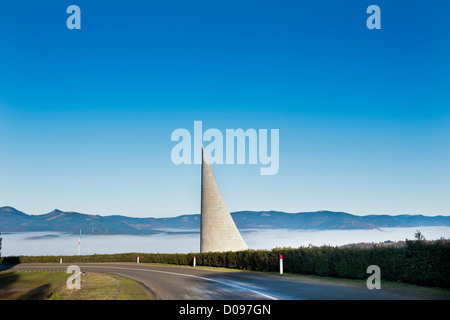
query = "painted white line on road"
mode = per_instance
[
  {"x": 197, "y": 277},
  {"x": 226, "y": 283}
]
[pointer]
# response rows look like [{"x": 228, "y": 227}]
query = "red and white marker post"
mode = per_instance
[
  {"x": 60, "y": 260},
  {"x": 137, "y": 259},
  {"x": 281, "y": 264},
  {"x": 194, "y": 264},
  {"x": 79, "y": 244}
]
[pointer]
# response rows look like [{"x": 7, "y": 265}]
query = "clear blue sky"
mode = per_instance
[{"x": 86, "y": 115}]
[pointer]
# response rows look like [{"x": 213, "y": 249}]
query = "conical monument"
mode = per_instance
[{"x": 218, "y": 230}]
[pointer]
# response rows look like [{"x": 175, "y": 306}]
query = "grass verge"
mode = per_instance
[{"x": 51, "y": 285}]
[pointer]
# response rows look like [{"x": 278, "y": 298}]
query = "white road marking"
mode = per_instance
[
  {"x": 198, "y": 277},
  {"x": 226, "y": 283}
]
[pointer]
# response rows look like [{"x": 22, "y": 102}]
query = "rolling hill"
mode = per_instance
[{"x": 13, "y": 220}]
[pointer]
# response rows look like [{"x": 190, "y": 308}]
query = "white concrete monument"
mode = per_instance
[{"x": 218, "y": 230}]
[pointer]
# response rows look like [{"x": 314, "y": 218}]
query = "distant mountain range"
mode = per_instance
[{"x": 13, "y": 220}]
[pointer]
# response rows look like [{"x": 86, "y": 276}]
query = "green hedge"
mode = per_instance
[{"x": 419, "y": 262}]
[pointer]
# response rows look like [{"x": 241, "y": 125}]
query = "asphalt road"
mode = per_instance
[{"x": 188, "y": 283}]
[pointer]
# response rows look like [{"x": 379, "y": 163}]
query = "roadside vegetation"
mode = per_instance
[{"x": 418, "y": 262}]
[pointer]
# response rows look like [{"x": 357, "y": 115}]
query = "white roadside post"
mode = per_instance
[
  {"x": 137, "y": 259},
  {"x": 194, "y": 261},
  {"x": 60, "y": 260},
  {"x": 281, "y": 264}
]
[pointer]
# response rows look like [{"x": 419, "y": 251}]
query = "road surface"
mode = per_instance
[{"x": 188, "y": 283}]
